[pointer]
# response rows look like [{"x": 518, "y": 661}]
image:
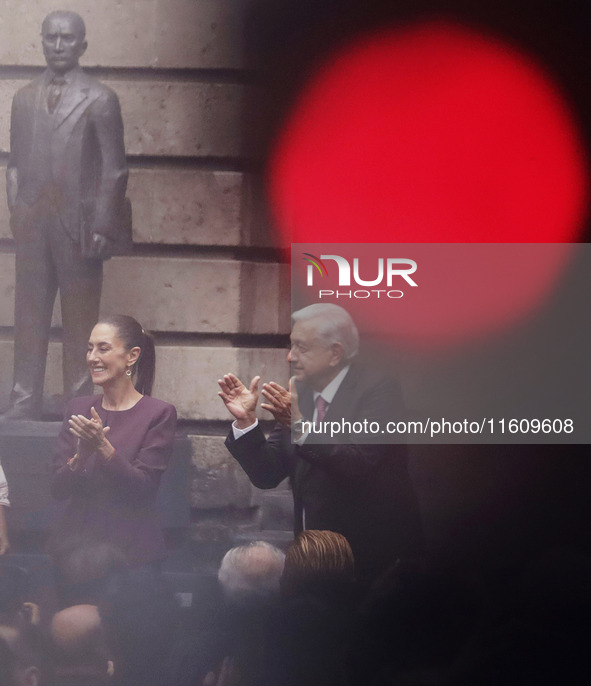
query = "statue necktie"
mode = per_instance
[
  {"x": 54, "y": 93},
  {"x": 321, "y": 407}
]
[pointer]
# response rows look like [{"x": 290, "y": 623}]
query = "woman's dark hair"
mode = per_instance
[{"x": 133, "y": 336}]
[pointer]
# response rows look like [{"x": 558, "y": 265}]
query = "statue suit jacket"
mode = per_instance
[
  {"x": 362, "y": 491},
  {"x": 73, "y": 158}
]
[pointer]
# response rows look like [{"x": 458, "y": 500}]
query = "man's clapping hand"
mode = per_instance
[
  {"x": 282, "y": 403},
  {"x": 240, "y": 401}
]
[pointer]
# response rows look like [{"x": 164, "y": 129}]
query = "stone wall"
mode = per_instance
[{"x": 204, "y": 277}]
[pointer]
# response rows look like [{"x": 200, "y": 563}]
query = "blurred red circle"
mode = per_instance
[
  {"x": 429, "y": 133},
  {"x": 436, "y": 133}
]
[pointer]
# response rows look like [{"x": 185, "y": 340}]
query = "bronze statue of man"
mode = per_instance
[{"x": 66, "y": 182}]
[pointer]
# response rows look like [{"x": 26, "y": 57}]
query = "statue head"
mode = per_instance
[{"x": 63, "y": 36}]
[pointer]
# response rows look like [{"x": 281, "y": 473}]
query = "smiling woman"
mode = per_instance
[{"x": 113, "y": 448}]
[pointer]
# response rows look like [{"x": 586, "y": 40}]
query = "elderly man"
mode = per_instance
[
  {"x": 251, "y": 572},
  {"x": 79, "y": 646},
  {"x": 361, "y": 491},
  {"x": 66, "y": 181}
]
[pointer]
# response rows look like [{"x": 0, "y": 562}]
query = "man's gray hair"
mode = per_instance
[
  {"x": 334, "y": 325},
  {"x": 251, "y": 571}
]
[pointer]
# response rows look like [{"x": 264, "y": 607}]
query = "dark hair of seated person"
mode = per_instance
[
  {"x": 84, "y": 569},
  {"x": 318, "y": 562}
]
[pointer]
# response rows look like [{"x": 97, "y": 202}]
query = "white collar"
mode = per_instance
[{"x": 330, "y": 390}]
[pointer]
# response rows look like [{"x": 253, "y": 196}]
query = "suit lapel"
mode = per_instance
[
  {"x": 306, "y": 403},
  {"x": 340, "y": 407},
  {"x": 74, "y": 95}
]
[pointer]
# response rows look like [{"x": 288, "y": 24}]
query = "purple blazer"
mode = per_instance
[{"x": 114, "y": 501}]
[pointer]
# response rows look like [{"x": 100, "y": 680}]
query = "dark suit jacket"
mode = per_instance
[
  {"x": 76, "y": 156},
  {"x": 361, "y": 491}
]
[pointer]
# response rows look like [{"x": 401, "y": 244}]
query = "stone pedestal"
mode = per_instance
[{"x": 26, "y": 452}]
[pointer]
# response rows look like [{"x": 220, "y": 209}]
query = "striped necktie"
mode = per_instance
[
  {"x": 321, "y": 407},
  {"x": 54, "y": 93}
]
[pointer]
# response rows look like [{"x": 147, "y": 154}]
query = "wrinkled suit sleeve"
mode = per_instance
[
  {"x": 265, "y": 460},
  {"x": 106, "y": 115}
]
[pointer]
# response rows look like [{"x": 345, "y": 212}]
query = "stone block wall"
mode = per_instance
[{"x": 204, "y": 277}]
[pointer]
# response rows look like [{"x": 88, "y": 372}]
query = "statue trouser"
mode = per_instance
[{"x": 47, "y": 259}]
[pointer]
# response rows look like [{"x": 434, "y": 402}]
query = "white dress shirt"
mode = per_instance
[{"x": 328, "y": 393}]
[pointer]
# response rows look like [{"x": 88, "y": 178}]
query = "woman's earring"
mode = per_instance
[{"x": 128, "y": 371}]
